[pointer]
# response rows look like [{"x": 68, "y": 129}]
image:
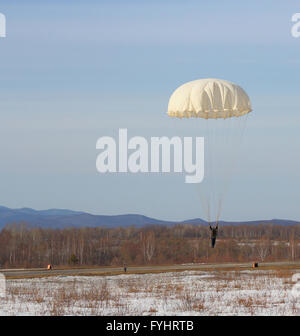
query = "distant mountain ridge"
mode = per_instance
[{"x": 63, "y": 218}]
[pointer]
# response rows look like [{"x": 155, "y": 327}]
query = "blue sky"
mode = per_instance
[{"x": 72, "y": 73}]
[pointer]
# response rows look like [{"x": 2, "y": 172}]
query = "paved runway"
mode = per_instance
[{"x": 37, "y": 272}]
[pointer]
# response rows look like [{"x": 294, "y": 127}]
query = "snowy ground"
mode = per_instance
[{"x": 181, "y": 293}]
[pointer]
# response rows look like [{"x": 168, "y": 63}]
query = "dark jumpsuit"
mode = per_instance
[{"x": 214, "y": 232}]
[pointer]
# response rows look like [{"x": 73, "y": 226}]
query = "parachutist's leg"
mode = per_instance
[{"x": 213, "y": 242}]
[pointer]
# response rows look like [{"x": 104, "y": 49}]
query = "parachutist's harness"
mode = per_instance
[{"x": 214, "y": 231}]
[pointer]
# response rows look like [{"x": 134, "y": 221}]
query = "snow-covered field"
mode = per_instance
[{"x": 182, "y": 293}]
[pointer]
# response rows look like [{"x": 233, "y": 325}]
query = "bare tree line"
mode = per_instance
[{"x": 22, "y": 245}]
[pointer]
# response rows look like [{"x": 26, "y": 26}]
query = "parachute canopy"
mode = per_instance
[
  {"x": 215, "y": 102},
  {"x": 209, "y": 98}
]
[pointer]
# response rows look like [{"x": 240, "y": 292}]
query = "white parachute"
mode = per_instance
[{"x": 222, "y": 107}]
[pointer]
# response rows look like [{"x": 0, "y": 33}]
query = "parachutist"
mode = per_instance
[{"x": 213, "y": 236}]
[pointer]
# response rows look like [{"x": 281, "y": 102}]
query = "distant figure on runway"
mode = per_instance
[
  {"x": 125, "y": 268},
  {"x": 213, "y": 235}
]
